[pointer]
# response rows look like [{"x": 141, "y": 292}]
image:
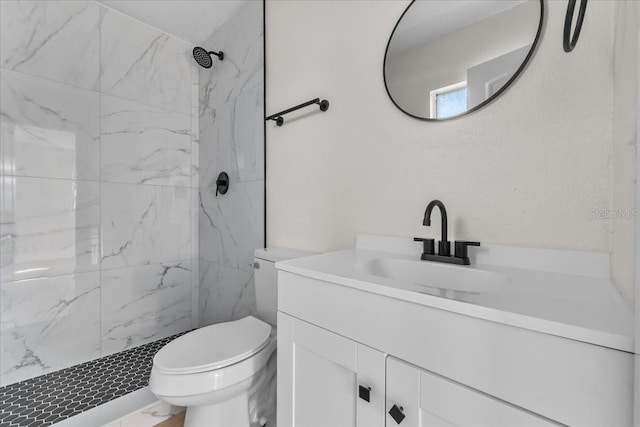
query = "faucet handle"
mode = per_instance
[
  {"x": 461, "y": 247},
  {"x": 428, "y": 245}
]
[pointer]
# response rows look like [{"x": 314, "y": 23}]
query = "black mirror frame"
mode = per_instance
[
  {"x": 496, "y": 95},
  {"x": 569, "y": 41}
]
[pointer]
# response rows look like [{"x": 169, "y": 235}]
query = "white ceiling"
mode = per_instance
[
  {"x": 193, "y": 21},
  {"x": 429, "y": 20}
]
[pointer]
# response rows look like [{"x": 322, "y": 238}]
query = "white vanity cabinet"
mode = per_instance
[
  {"x": 424, "y": 399},
  {"x": 327, "y": 380},
  {"x": 325, "y": 330},
  {"x": 447, "y": 361}
]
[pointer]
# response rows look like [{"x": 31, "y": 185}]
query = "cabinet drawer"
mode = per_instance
[
  {"x": 429, "y": 400},
  {"x": 463, "y": 406},
  {"x": 338, "y": 349}
]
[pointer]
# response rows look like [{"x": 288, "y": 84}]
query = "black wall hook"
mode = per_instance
[
  {"x": 324, "y": 106},
  {"x": 569, "y": 41}
]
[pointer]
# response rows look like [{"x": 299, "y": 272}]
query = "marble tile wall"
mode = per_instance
[
  {"x": 99, "y": 203},
  {"x": 231, "y": 139}
]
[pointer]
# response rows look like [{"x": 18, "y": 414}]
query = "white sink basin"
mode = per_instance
[
  {"x": 436, "y": 277},
  {"x": 563, "y": 293}
]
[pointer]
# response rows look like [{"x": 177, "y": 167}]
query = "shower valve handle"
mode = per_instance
[{"x": 222, "y": 183}]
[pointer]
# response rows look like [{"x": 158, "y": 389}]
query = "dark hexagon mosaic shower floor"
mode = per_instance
[{"x": 54, "y": 397}]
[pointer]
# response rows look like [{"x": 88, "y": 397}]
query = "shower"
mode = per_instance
[{"x": 203, "y": 57}]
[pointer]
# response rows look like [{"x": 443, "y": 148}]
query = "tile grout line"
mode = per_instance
[
  {"x": 194, "y": 314},
  {"x": 109, "y": 8},
  {"x": 96, "y": 91},
  {"x": 95, "y": 181},
  {"x": 100, "y": 334},
  {"x": 98, "y": 270}
]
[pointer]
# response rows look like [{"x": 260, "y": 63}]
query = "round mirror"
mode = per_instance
[{"x": 447, "y": 58}]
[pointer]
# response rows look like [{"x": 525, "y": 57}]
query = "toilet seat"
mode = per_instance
[{"x": 213, "y": 347}]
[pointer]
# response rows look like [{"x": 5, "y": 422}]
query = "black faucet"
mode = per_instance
[{"x": 444, "y": 246}]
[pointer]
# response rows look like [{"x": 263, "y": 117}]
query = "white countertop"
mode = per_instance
[{"x": 585, "y": 308}]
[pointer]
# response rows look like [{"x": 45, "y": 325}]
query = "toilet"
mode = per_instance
[{"x": 224, "y": 373}]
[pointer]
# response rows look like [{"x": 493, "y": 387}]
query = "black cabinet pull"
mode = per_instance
[
  {"x": 364, "y": 393},
  {"x": 396, "y": 414}
]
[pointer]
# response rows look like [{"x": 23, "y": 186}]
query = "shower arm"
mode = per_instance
[{"x": 220, "y": 55}]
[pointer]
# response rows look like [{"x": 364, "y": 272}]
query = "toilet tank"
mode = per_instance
[{"x": 266, "y": 279}]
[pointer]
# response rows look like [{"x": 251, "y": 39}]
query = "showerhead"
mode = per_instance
[{"x": 203, "y": 57}]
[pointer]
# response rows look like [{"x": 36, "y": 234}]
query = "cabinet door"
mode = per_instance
[
  {"x": 370, "y": 367},
  {"x": 322, "y": 391},
  {"x": 429, "y": 400},
  {"x": 403, "y": 394},
  {"x": 319, "y": 378}
]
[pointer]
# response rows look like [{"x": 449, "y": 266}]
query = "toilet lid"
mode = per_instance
[{"x": 214, "y": 346}]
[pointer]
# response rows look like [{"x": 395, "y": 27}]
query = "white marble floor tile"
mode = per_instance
[
  {"x": 144, "y": 224},
  {"x": 48, "y": 129},
  {"x": 144, "y": 145},
  {"x": 49, "y": 227},
  {"x": 148, "y": 416},
  {"x": 58, "y": 40},
  {"x": 48, "y": 324},
  {"x": 145, "y": 303}
]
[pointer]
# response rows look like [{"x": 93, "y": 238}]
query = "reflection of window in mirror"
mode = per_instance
[{"x": 448, "y": 101}]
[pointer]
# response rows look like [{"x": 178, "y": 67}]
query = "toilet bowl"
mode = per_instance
[
  {"x": 224, "y": 374},
  {"x": 212, "y": 370}
]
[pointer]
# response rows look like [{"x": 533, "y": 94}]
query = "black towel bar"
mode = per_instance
[{"x": 324, "y": 106}]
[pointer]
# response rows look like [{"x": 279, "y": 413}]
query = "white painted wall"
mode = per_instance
[
  {"x": 527, "y": 170},
  {"x": 623, "y": 149}
]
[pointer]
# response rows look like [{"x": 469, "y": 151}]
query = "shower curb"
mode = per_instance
[{"x": 51, "y": 398}]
